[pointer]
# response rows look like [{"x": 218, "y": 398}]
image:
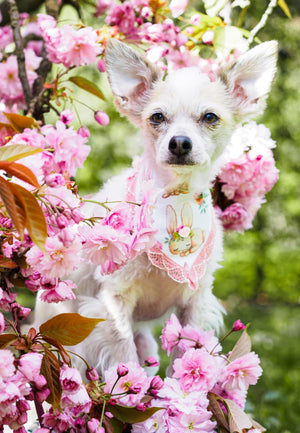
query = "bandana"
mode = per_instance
[{"x": 185, "y": 231}]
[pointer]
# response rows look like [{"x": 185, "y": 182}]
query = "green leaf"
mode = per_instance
[
  {"x": 132, "y": 415},
  {"x": 69, "y": 329},
  {"x": 282, "y": 4},
  {"x": 88, "y": 86},
  {"x": 14, "y": 152},
  {"x": 241, "y": 348},
  {"x": 238, "y": 419}
]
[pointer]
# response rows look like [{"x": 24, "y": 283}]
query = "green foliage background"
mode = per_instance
[{"x": 259, "y": 281}]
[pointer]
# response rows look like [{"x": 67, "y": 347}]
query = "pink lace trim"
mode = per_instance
[{"x": 183, "y": 274}]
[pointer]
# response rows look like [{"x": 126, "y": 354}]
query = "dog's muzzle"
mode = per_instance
[{"x": 180, "y": 147}]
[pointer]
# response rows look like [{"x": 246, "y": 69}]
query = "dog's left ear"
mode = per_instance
[
  {"x": 131, "y": 77},
  {"x": 250, "y": 77}
]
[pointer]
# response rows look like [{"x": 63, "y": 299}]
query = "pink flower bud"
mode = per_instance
[
  {"x": 151, "y": 361},
  {"x": 238, "y": 326},
  {"x": 30, "y": 365},
  {"x": 93, "y": 426},
  {"x": 122, "y": 370},
  {"x": 83, "y": 131},
  {"x": 101, "y": 117},
  {"x": 92, "y": 374},
  {"x": 101, "y": 65},
  {"x": 2, "y": 323},
  {"x": 141, "y": 407},
  {"x": 156, "y": 383}
]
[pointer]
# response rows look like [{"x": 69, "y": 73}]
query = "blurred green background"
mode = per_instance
[{"x": 259, "y": 281}]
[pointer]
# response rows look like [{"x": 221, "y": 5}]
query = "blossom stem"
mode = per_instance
[
  {"x": 80, "y": 357},
  {"x": 15, "y": 23}
]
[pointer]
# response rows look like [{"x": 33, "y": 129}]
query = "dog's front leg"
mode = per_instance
[{"x": 112, "y": 341}]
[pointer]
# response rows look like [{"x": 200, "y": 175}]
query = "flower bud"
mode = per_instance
[
  {"x": 92, "y": 374},
  {"x": 101, "y": 65},
  {"x": 122, "y": 370},
  {"x": 151, "y": 362},
  {"x": 83, "y": 131},
  {"x": 238, "y": 326},
  {"x": 101, "y": 117}
]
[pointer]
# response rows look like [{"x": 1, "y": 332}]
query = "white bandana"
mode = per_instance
[{"x": 186, "y": 230}]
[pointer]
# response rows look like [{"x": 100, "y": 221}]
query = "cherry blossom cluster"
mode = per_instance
[
  {"x": 200, "y": 370},
  {"x": 20, "y": 380},
  {"x": 247, "y": 176}
]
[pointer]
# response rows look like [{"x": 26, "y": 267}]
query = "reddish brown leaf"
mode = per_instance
[
  {"x": 241, "y": 348},
  {"x": 69, "y": 329},
  {"x": 14, "y": 205},
  {"x": 19, "y": 122},
  {"x": 35, "y": 218},
  {"x": 65, "y": 356},
  {"x": 7, "y": 339},
  {"x": 7, "y": 263},
  {"x": 51, "y": 371},
  {"x": 21, "y": 171},
  {"x": 217, "y": 411}
]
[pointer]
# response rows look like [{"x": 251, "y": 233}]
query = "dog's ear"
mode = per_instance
[
  {"x": 250, "y": 77},
  {"x": 131, "y": 77}
]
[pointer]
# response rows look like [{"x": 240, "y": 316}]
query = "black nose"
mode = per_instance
[{"x": 180, "y": 145}]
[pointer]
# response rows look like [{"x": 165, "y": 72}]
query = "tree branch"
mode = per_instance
[{"x": 15, "y": 24}]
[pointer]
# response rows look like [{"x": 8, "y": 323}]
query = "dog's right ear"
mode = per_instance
[{"x": 131, "y": 77}]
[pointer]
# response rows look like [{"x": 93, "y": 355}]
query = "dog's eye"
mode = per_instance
[
  {"x": 210, "y": 118},
  {"x": 157, "y": 118}
]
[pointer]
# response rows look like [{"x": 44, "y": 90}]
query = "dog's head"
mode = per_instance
[{"x": 187, "y": 118}]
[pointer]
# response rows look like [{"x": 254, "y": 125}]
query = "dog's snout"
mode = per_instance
[{"x": 180, "y": 145}]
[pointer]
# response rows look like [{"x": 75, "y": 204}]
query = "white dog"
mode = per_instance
[{"x": 187, "y": 121}]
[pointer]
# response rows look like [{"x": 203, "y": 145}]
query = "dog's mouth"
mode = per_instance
[{"x": 180, "y": 161}]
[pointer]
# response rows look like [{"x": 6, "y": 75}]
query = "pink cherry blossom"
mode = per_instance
[
  {"x": 59, "y": 259},
  {"x": 241, "y": 372},
  {"x": 177, "y": 7},
  {"x": 104, "y": 244},
  {"x": 70, "y": 379},
  {"x": 171, "y": 334},
  {"x": 196, "y": 338},
  {"x": 197, "y": 370},
  {"x": 30, "y": 365},
  {"x": 134, "y": 384}
]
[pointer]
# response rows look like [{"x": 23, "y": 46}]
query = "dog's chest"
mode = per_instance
[{"x": 156, "y": 293}]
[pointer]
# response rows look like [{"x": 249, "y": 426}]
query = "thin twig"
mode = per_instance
[
  {"x": 262, "y": 22},
  {"x": 15, "y": 24}
]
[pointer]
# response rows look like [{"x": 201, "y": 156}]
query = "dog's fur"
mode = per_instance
[{"x": 140, "y": 292}]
